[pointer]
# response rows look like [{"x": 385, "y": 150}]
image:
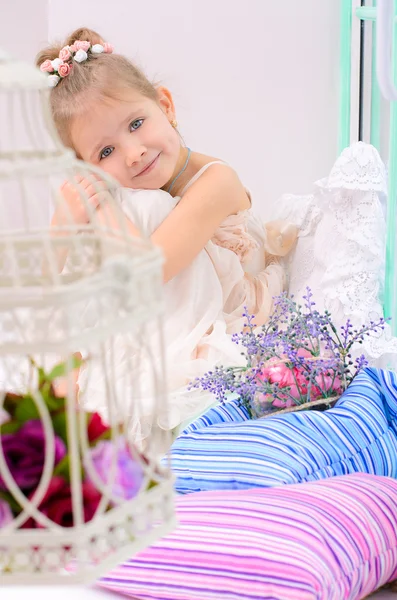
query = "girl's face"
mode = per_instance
[{"x": 132, "y": 139}]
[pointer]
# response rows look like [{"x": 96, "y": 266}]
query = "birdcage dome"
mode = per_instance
[{"x": 76, "y": 494}]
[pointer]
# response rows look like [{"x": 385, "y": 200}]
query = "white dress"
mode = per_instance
[{"x": 203, "y": 307}]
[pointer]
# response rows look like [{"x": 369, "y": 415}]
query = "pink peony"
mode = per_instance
[
  {"x": 64, "y": 69},
  {"x": 46, "y": 67},
  {"x": 65, "y": 53},
  {"x": 108, "y": 48},
  {"x": 80, "y": 45}
]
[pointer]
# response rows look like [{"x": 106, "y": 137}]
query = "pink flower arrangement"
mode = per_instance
[
  {"x": 298, "y": 357},
  {"x": 293, "y": 383}
]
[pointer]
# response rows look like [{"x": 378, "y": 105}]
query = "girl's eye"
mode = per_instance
[
  {"x": 106, "y": 152},
  {"x": 136, "y": 124}
]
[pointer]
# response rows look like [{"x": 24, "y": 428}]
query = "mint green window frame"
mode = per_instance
[{"x": 368, "y": 13}]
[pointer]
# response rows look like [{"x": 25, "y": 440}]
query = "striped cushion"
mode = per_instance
[
  {"x": 325, "y": 540},
  {"x": 223, "y": 449}
]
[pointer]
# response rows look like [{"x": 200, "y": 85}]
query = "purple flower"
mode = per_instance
[
  {"x": 127, "y": 473},
  {"x": 24, "y": 453},
  {"x": 5, "y": 513}
]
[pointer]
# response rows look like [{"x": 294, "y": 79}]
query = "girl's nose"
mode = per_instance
[{"x": 134, "y": 153}]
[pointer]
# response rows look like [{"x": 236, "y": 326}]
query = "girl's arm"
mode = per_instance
[{"x": 217, "y": 194}]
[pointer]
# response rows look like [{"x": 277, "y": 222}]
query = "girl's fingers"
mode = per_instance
[{"x": 87, "y": 181}]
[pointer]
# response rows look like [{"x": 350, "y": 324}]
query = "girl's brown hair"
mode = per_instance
[{"x": 100, "y": 76}]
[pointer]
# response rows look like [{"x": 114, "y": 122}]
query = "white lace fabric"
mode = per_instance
[{"x": 340, "y": 252}]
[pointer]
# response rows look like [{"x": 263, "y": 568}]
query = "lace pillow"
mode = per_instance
[{"x": 340, "y": 252}]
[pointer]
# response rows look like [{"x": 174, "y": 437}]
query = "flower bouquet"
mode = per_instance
[
  {"x": 36, "y": 466},
  {"x": 298, "y": 360}
]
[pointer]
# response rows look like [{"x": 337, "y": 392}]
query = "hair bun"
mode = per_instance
[{"x": 85, "y": 35}]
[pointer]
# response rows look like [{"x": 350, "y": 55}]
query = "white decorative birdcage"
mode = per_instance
[{"x": 76, "y": 494}]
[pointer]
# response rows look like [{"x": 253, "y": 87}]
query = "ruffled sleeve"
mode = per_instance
[{"x": 233, "y": 235}]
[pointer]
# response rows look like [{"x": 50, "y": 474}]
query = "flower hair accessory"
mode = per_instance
[{"x": 60, "y": 67}]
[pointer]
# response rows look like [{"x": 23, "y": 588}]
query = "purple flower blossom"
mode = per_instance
[
  {"x": 24, "y": 453},
  {"x": 127, "y": 473}
]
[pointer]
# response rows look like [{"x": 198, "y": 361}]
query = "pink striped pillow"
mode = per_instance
[{"x": 326, "y": 540}]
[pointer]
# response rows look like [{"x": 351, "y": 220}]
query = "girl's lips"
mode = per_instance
[{"x": 149, "y": 167}]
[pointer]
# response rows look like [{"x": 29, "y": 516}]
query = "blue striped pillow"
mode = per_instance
[{"x": 223, "y": 449}]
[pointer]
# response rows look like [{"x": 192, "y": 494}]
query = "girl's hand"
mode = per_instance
[{"x": 81, "y": 199}]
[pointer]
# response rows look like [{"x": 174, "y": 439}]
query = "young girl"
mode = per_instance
[{"x": 218, "y": 256}]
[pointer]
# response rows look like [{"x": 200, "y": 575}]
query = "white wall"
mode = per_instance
[
  {"x": 23, "y": 27},
  {"x": 255, "y": 81}
]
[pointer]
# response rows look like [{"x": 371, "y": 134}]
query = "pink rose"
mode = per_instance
[
  {"x": 65, "y": 53},
  {"x": 46, "y": 67},
  {"x": 64, "y": 69},
  {"x": 72, "y": 48},
  {"x": 79, "y": 45},
  {"x": 108, "y": 48}
]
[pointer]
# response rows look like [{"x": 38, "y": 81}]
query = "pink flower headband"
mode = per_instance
[{"x": 60, "y": 67}]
